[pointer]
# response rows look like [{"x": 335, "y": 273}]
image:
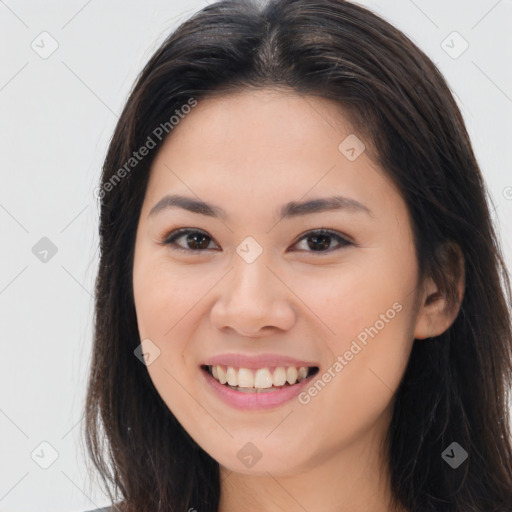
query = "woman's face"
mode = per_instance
[{"x": 260, "y": 293}]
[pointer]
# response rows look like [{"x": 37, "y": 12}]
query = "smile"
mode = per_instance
[
  {"x": 254, "y": 383},
  {"x": 259, "y": 379}
]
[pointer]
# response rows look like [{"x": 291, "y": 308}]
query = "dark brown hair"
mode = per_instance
[{"x": 456, "y": 386}]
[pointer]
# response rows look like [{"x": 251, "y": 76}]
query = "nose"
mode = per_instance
[{"x": 253, "y": 301}]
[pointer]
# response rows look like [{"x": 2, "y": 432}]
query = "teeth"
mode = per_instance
[
  {"x": 262, "y": 378},
  {"x": 302, "y": 373},
  {"x": 279, "y": 376},
  {"x": 222, "y": 375},
  {"x": 231, "y": 375},
  {"x": 245, "y": 378},
  {"x": 291, "y": 375}
]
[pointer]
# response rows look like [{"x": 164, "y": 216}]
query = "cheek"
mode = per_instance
[
  {"x": 166, "y": 304},
  {"x": 357, "y": 388},
  {"x": 354, "y": 392},
  {"x": 367, "y": 290},
  {"x": 164, "y": 296},
  {"x": 369, "y": 309},
  {"x": 169, "y": 306}
]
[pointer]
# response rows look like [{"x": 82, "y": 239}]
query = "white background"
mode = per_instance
[{"x": 56, "y": 118}]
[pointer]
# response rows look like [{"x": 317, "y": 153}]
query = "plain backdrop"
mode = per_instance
[{"x": 57, "y": 114}]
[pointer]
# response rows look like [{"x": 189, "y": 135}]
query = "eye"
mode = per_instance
[
  {"x": 319, "y": 241},
  {"x": 195, "y": 240}
]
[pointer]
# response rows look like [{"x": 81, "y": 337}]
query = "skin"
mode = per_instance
[{"x": 250, "y": 153}]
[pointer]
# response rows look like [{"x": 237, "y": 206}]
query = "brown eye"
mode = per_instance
[
  {"x": 319, "y": 241},
  {"x": 195, "y": 241}
]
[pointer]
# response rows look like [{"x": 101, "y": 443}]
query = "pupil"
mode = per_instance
[
  {"x": 192, "y": 237},
  {"x": 324, "y": 244}
]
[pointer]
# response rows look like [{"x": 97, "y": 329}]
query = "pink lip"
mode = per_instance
[
  {"x": 260, "y": 361},
  {"x": 254, "y": 401}
]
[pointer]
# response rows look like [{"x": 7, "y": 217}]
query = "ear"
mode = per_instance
[{"x": 439, "y": 308}]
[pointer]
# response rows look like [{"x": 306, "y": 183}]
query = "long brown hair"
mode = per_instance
[{"x": 456, "y": 386}]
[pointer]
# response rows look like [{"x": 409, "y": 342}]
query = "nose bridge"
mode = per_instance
[
  {"x": 251, "y": 283},
  {"x": 252, "y": 298}
]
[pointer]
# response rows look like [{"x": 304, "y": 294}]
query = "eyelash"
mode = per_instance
[{"x": 170, "y": 240}]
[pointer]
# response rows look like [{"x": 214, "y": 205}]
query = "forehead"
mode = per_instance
[
  {"x": 265, "y": 118},
  {"x": 258, "y": 147}
]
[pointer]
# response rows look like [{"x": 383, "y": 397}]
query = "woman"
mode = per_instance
[{"x": 301, "y": 302}]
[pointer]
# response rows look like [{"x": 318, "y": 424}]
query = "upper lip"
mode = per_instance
[{"x": 257, "y": 361}]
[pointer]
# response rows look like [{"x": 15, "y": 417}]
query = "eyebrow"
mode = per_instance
[{"x": 289, "y": 210}]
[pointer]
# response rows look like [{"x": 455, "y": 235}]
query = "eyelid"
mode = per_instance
[{"x": 343, "y": 240}]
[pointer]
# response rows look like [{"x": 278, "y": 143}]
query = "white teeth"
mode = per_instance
[
  {"x": 222, "y": 375},
  {"x": 261, "y": 378},
  {"x": 245, "y": 378},
  {"x": 232, "y": 377},
  {"x": 279, "y": 376},
  {"x": 291, "y": 375}
]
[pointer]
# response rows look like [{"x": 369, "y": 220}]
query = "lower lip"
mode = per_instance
[{"x": 256, "y": 400}]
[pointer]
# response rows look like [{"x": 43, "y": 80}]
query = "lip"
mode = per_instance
[
  {"x": 254, "y": 362},
  {"x": 254, "y": 401}
]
